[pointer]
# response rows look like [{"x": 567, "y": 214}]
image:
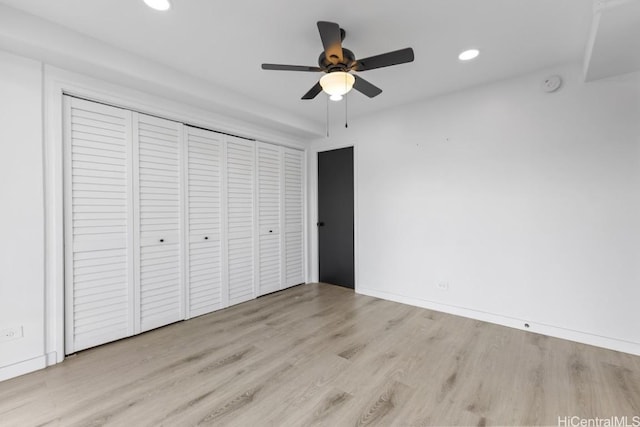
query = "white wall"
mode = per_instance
[
  {"x": 21, "y": 215},
  {"x": 525, "y": 204}
]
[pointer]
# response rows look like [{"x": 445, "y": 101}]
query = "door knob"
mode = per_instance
[{"x": 321, "y": 224}]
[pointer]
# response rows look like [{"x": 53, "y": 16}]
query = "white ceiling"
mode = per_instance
[{"x": 225, "y": 41}]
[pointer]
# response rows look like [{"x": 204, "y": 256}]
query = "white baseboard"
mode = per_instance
[
  {"x": 52, "y": 358},
  {"x": 22, "y": 368},
  {"x": 550, "y": 330}
]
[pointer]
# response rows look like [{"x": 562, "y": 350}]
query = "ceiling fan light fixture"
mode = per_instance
[
  {"x": 337, "y": 84},
  {"x": 161, "y": 5},
  {"x": 468, "y": 55}
]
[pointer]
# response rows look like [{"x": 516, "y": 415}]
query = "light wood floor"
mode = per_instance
[{"x": 321, "y": 355}]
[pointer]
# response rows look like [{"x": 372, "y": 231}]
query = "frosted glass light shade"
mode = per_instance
[{"x": 337, "y": 83}]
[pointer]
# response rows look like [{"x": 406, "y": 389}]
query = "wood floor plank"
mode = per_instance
[{"x": 320, "y": 355}]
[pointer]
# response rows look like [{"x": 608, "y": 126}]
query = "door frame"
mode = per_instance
[
  {"x": 312, "y": 194},
  {"x": 57, "y": 83}
]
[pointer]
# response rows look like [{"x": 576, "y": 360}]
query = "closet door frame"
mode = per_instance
[{"x": 58, "y": 83}]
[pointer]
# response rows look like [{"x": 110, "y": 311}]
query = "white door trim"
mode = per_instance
[
  {"x": 58, "y": 82},
  {"x": 312, "y": 200}
]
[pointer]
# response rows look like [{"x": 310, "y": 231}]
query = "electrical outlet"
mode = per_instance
[
  {"x": 443, "y": 286},
  {"x": 10, "y": 334}
]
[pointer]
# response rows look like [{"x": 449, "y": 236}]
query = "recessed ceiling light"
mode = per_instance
[
  {"x": 158, "y": 4},
  {"x": 468, "y": 55}
]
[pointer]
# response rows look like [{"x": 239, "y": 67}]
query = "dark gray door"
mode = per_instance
[{"x": 335, "y": 217}]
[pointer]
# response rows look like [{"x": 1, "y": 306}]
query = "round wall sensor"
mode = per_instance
[{"x": 551, "y": 83}]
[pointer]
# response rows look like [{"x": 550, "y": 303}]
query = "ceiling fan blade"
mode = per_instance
[
  {"x": 361, "y": 85},
  {"x": 280, "y": 67},
  {"x": 331, "y": 40},
  {"x": 384, "y": 60},
  {"x": 313, "y": 92}
]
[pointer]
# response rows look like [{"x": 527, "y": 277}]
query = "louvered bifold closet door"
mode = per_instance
[
  {"x": 240, "y": 162},
  {"x": 98, "y": 222},
  {"x": 160, "y": 284},
  {"x": 293, "y": 216},
  {"x": 269, "y": 160},
  {"x": 204, "y": 212}
]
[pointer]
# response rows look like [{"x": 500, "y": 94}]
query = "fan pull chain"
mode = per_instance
[
  {"x": 346, "y": 109},
  {"x": 327, "y": 116},
  {"x": 346, "y": 104}
]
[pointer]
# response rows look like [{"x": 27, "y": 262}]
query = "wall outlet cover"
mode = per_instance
[{"x": 10, "y": 334}]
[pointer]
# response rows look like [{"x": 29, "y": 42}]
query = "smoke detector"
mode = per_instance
[{"x": 551, "y": 83}]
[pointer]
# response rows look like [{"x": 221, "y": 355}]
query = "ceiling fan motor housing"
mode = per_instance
[{"x": 348, "y": 60}]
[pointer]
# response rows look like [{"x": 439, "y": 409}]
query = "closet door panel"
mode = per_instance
[
  {"x": 98, "y": 224},
  {"x": 293, "y": 162},
  {"x": 204, "y": 186},
  {"x": 269, "y": 164},
  {"x": 159, "y": 192},
  {"x": 240, "y": 161}
]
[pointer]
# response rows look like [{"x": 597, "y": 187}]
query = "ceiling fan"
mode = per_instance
[{"x": 338, "y": 62}]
